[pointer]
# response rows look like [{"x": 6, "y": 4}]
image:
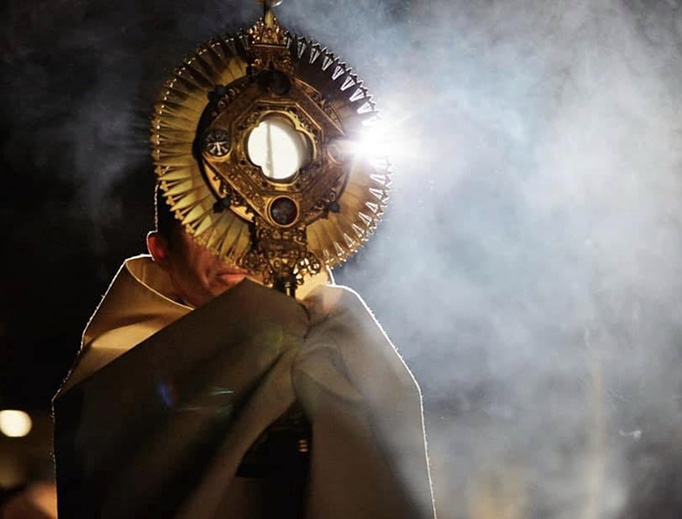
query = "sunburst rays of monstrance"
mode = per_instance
[{"x": 253, "y": 145}]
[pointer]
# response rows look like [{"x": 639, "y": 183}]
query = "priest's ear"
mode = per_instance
[
  {"x": 160, "y": 241},
  {"x": 158, "y": 247}
]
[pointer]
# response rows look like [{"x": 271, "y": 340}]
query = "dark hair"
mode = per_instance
[{"x": 164, "y": 219}]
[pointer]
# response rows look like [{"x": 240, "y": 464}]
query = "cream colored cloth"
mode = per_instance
[
  {"x": 139, "y": 302},
  {"x": 368, "y": 457}
]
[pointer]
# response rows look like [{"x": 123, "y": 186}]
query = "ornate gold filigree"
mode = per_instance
[
  {"x": 281, "y": 230},
  {"x": 267, "y": 34}
]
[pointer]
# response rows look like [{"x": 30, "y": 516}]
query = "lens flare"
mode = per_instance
[{"x": 382, "y": 140}]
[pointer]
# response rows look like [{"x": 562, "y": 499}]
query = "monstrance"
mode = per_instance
[{"x": 255, "y": 141}]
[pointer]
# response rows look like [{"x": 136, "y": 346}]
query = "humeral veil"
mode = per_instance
[{"x": 165, "y": 403}]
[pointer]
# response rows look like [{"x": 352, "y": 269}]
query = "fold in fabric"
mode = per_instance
[{"x": 158, "y": 429}]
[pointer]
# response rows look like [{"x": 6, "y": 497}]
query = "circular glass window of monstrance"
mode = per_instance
[{"x": 278, "y": 148}]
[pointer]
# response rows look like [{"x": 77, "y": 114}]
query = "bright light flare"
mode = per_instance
[
  {"x": 14, "y": 423},
  {"x": 380, "y": 140}
]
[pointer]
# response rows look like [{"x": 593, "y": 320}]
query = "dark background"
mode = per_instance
[{"x": 529, "y": 267}]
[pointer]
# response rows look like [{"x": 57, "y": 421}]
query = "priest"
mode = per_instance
[{"x": 199, "y": 393}]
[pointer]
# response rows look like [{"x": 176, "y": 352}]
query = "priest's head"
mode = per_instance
[{"x": 197, "y": 274}]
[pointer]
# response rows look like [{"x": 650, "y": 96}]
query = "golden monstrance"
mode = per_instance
[{"x": 254, "y": 142}]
